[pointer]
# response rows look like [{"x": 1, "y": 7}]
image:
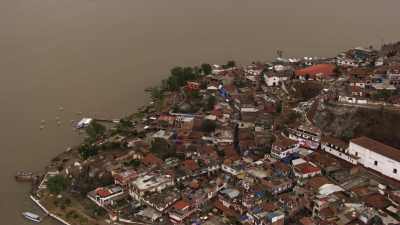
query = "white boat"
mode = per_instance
[
  {"x": 84, "y": 123},
  {"x": 32, "y": 217}
]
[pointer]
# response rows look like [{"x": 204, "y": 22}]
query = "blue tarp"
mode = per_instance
[{"x": 288, "y": 159}]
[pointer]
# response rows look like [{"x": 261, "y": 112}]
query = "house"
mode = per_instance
[
  {"x": 192, "y": 86},
  {"x": 307, "y": 221},
  {"x": 248, "y": 119},
  {"x": 168, "y": 119},
  {"x": 354, "y": 94},
  {"x": 106, "y": 196},
  {"x": 284, "y": 147},
  {"x": 245, "y": 103},
  {"x": 280, "y": 169},
  {"x": 394, "y": 75},
  {"x": 124, "y": 178},
  {"x": 161, "y": 200},
  {"x": 150, "y": 182},
  {"x": 316, "y": 71},
  {"x": 151, "y": 160},
  {"x": 230, "y": 199},
  {"x": 273, "y": 79},
  {"x": 360, "y": 73},
  {"x": 315, "y": 183},
  {"x": 360, "y": 82},
  {"x": 346, "y": 62},
  {"x": 337, "y": 148},
  {"x": 233, "y": 168},
  {"x": 276, "y": 186},
  {"x": 185, "y": 122},
  {"x": 376, "y": 156},
  {"x": 261, "y": 217},
  {"x": 163, "y": 134},
  {"x": 148, "y": 215},
  {"x": 190, "y": 165},
  {"x": 352, "y": 99},
  {"x": 223, "y": 135},
  {"x": 304, "y": 169},
  {"x": 180, "y": 211},
  {"x": 308, "y": 136},
  {"x": 357, "y": 91}
]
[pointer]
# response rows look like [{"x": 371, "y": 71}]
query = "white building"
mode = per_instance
[
  {"x": 346, "y": 62},
  {"x": 304, "y": 169},
  {"x": 147, "y": 183},
  {"x": 284, "y": 147},
  {"x": 352, "y": 100},
  {"x": 232, "y": 168},
  {"x": 337, "y": 148},
  {"x": 274, "y": 79},
  {"x": 105, "y": 196},
  {"x": 376, "y": 156},
  {"x": 308, "y": 136}
]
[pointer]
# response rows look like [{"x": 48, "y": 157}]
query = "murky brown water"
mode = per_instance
[{"x": 97, "y": 56}]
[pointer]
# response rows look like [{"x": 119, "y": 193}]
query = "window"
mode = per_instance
[
  {"x": 375, "y": 163},
  {"x": 395, "y": 171},
  {"x": 356, "y": 153}
]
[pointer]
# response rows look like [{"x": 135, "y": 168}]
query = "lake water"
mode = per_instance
[{"x": 97, "y": 57}]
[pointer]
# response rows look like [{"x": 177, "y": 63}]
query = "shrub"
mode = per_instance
[{"x": 57, "y": 184}]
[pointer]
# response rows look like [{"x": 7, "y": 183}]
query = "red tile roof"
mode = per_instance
[
  {"x": 378, "y": 147},
  {"x": 316, "y": 182},
  {"x": 324, "y": 69},
  {"x": 334, "y": 141},
  {"x": 151, "y": 159},
  {"x": 103, "y": 192},
  {"x": 284, "y": 142},
  {"x": 181, "y": 205},
  {"x": 377, "y": 201},
  {"x": 307, "y": 168},
  {"x": 190, "y": 165},
  {"x": 307, "y": 221},
  {"x": 227, "y": 211}
]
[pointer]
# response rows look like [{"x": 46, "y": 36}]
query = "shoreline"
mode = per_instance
[
  {"x": 47, "y": 212},
  {"x": 178, "y": 108}
]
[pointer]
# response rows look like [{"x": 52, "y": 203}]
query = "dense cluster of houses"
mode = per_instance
[{"x": 247, "y": 170}]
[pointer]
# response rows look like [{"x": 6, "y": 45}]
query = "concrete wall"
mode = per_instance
[
  {"x": 339, "y": 154},
  {"x": 367, "y": 158}
]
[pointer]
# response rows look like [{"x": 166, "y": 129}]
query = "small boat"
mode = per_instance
[
  {"x": 32, "y": 217},
  {"x": 83, "y": 123},
  {"x": 24, "y": 176}
]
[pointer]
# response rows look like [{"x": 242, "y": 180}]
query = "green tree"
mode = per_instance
[
  {"x": 376, "y": 220},
  {"x": 194, "y": 95},
  {"x": 188, "y": 74},
  {"x": 162, "y": 148},
  {"x": 382, "y": 95},
  {"x": 57, "y": 184},
  {"x": 211, "y": 101},
  {"x": 87, "y": 150},
  {"x": 133, "y": 163},
  {"x": 207, "y": 69},
  {"x": 229, "y": 64},
  {"x": 156, "y": 94},
  {"x": 208, "y": 126},
  {"x": 279, "y": 107},
  {"x": 172, "y": 83},
  {"x": 95, "y": 130},
  {"x": 124, "y": 124},
  {"x": 197, "y": 71}
]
